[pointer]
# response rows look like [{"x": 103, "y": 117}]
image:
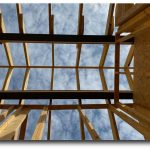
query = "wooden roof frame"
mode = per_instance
[{"x": 18, "y": 113}]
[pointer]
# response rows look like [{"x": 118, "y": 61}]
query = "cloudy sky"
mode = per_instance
[{"x": 65, "y": 123}]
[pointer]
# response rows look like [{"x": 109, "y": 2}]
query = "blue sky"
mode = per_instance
[{"x": 65, "y": 123}]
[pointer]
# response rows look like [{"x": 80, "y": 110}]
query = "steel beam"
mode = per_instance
[
  {"x": 57, "y": 94},
  {"x": 57, "y": 38}
]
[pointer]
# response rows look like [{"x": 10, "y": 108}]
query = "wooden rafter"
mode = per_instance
[
  {"x": 126, "y": 67},
  {"x": 8, "y": 128},
  {"x": 6, "y": 82},
  {"x": 18, "y": 119},
  {"x": 21, "y": 102},
  {"x": 80, "y": 103},
  {"x": 108, "y": 31},
  {"x": 51, "y": 31},
  {"x": 22, "y": 31},
  {"x": 4, "y": 114},
  {"x": 89, "y": 125},
  {"x": 80, "y": 31},
  {"x": 38, "y": 132},
  {"x": 111, "y": 115},
  {"x": 133, "y": 112},
  {"x": 131, "y": 122},
  {"x": 6, "y": 45}
]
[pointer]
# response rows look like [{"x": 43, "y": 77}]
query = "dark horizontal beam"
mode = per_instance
[
  {"x": 64, "y": 94},
  {"x": 60, "y": 107},
  {"x": 56, "y": 38}
]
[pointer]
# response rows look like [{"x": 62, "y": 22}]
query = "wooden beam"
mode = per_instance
[
  {"x": 58, "y": 94},
  {"x": 130, "y": 24},
  {"x": 111, "y": 115},
  {"x": 56, "y": 38},
  {"x": 51, "y": 31},
  {"x": 25, "y": 47},
  {"x": 38, "y": 132},
  {"x": 80, "y": 103},
  {"x": 51, "y": 19},
  {"x": 129, "y": 78},
  {"x": 117, "y": 65},
  {"x": 7, "y": 79},
  {"x": 4, "y": 114},
  {"x": 6, "y": 45},
  {"x": 21, "y": 102},
  {"x": 129, "y": 57},
  {"x": 49, "y": 123},
  {"x": 22, "y": 31},
  {"x": 136, "y": 125},
  {"x": 23, "y": 129},
  {"x": 133, "y": 112},
  {"x": 80, "y": 31},
  {"x": 25, "y": 83},
  {"x": 89, "y": 125},
  {"x": 133, "y": 11},
  {"x": 108, "y": 31},
  {"x": 8, "y": 128},
  {"x": 6, "y": 82},
  {"x": 127, "y": 64}
]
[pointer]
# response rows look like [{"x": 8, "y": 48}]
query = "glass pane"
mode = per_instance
[
  {"x": 90, "y": 79},
  {"x": 36, "y": 18},
  {"x": 64, "y": 79}
]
